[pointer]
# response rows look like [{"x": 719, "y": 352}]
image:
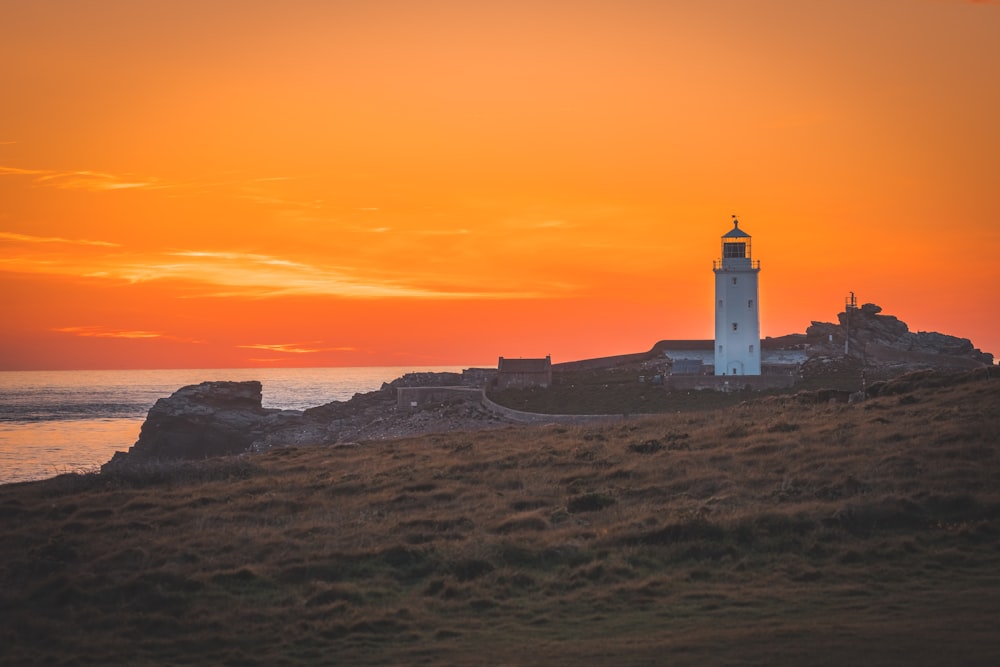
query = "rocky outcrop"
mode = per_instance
[
  {"x": 204, "y": 420},
  {"x": 878, "y": 340},
  {"x": 427, "y": 379},
  {"x": 375, "y": 416},
  {"x": 223, "y": 418}
]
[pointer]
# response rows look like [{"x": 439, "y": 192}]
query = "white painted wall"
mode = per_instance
[{"x": 737, "y": 351}]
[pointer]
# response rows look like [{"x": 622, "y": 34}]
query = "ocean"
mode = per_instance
[{"x": 55, "y": 422}]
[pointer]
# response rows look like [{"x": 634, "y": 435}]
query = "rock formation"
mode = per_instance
[
  {"x": 222, "y": 418},
  {"x": 204, "y": 420},
  {"x": 875, "y": 340}
]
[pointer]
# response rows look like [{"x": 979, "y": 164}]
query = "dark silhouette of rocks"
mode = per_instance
[
  {"x": 204, "y": 420},
  {"x": 883, "y": 341},
  {"x": 223, "y": 418}
]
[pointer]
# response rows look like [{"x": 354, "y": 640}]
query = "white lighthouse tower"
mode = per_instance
[{"x": 737, "y": 309}]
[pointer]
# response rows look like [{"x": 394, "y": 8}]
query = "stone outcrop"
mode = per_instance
[
  {"x": 205, "y": 420},
  {"x": 223, "y": 418},
  {"x": 878, "y": 340}
]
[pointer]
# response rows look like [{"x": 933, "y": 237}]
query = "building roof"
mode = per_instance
[
  {"x": 524, "y": 365},
  {"x": 736, "y": 232}
]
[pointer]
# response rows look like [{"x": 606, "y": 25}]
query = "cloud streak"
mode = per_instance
[
  {"x": 255, "y": 276},
  {"x": 296, "y": 348},
  {"x": 94, "y": 181},
  {"x": 263, "y": 276},
  {"x": 28, "y": 238},
  {"x": 126, "y": 334},
  {"x": 101, "y": 332}
]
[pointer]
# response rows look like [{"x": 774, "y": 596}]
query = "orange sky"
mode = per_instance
[{"x": 303, "y": 183}]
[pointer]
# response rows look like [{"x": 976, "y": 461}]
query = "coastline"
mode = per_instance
[{"x": 56, "y": 422}]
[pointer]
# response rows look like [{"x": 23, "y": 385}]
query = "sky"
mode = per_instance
[{"x": 241, "y": 183}]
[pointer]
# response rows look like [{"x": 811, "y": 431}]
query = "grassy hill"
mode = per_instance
[{"x": 767, "y": 532}]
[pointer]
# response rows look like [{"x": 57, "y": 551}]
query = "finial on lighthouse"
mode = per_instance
[{"x": 736, "y": 223}]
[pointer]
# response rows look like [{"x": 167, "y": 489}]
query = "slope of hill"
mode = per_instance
[{"x": 768, "y": 532}]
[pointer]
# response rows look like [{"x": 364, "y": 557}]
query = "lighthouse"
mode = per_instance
[{"x": 737, "y": 308}]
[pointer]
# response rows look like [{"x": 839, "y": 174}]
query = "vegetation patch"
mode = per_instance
[
  {"x": 646, "y": 447},
  {"x": 589, "y": 502}
]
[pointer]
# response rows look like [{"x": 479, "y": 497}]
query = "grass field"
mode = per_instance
[{"x": 766, "y": 532}]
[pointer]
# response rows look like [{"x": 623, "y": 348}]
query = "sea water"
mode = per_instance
[{"x": 54, "y": 422}]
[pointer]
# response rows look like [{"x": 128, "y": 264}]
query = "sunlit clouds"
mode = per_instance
[
  {"x": 101, "y": 332},
  {"x": 28, "y": 238},
  {"x": 297, "y": 348},
  {"x": 213, "y": 274},
  {"x": 80, "y": 180}
]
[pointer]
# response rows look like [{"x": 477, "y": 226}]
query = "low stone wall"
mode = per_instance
[
  {"x": 541, "y": 418},
  {"x": 414, "y": 398}
]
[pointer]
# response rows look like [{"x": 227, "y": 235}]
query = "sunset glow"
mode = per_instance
[{"x": 224, "y": 184}]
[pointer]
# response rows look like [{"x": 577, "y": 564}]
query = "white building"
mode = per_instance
[{"x": 737, "y": 309}]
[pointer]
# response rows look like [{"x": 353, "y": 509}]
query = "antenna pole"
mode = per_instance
[
  {"x": 847, "y": 335},
  {"x": 851, "y": 304}
]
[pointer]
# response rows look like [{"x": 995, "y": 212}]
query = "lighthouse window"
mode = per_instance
[
  {"x": 720, "y": 349},
  {"x": 751, "y": 349},
  {"x": 750, "y": 303},
  {"x": 735, "y": 250},
  {"x": 734, "y": 281},
  {"x": 720, "y": 303},
  {"x": 736, "y": 325}
]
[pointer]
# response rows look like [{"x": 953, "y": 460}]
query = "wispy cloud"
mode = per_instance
[
  {"x": 528, "y": 224},
  {"x": 403, "y": 232},
  {"x": 83, "y": 180},
  {"x": 17, "y": 171},
  {"x": 101, "y": 332},
  {"x": 129, "y": 334},
  {"x": 28, "y": 238},
  {"x": 297, "y": 348},
  {"x": 259, "y": 276},
  {"x": 92, "y": 180},
  {"x": 443, "y": 232},
  {"x": 264, "y": 276}
]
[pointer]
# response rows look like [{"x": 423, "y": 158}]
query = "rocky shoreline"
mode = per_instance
[{"x": 225, "y": 418}]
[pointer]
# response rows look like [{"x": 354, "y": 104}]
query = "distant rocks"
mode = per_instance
[
  {"x": 876, "y": 340},
  {"x": 428, "y": 379}
]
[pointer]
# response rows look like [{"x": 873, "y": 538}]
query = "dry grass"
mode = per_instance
[{"x": 767, "y": 533}]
